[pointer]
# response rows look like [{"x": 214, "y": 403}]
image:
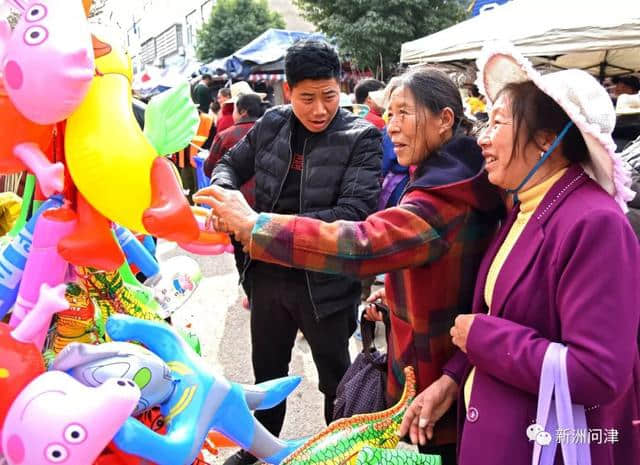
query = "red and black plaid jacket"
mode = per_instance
[
  {"x": 430, "y": 245},
  {"x": 222, "y": 143}
]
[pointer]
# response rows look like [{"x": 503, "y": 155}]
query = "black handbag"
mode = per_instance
[{"x": 363, "y": 387}]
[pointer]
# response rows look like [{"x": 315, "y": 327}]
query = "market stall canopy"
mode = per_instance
[
  {"x": 268, "y": 48},
  {"x": 154, "y": 80},
  {"x": 601, "y": 37},
  {"x": 145, "y": 81},
  {"x": 482, "y": 6}
]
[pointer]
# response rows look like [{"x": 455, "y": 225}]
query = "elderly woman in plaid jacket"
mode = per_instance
[{"x": 431, "y": 244}]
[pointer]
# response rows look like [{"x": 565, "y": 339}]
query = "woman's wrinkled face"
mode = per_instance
[
  {"x": 505, "y": 166},
  {"x": 414, "y": 130}
]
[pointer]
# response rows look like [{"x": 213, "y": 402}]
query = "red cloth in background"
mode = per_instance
[
  {"x": 374, "y": 119},
  {"x": 226, "y": 118},
  {"x": 223, "y": 141}
]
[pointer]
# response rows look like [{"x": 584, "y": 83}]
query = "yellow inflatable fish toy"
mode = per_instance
[{"x": 115, "y": 167}]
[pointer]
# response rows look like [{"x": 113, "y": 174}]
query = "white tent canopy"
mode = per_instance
[{"x": 599, "y": 36}]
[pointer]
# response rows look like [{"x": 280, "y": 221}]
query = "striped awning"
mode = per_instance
[
  {"x": 266, "y": 77},
  {"x": 355, "y": 76}
]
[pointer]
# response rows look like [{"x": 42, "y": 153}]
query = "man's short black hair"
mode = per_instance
[
  {"x": 364, "y": 87},
  {"x": 251, "y": 103},
  {"x": 206, "y": 77},
  {"x": 311, "y": 59},
  {"x": 631, "y": 81}
]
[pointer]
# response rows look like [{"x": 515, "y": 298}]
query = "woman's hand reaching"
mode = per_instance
[{"x": 230, "y": 212}]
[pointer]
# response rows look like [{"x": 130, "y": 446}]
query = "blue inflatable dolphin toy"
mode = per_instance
[{"x": 201, "y": 401}]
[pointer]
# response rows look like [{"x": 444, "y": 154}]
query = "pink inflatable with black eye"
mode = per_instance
[
  {"x": 47, "y": 62},
  {"x": 55, "y": 419}
]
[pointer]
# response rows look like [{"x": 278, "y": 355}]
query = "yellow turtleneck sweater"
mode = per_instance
[{"x": 529, "y": 201}]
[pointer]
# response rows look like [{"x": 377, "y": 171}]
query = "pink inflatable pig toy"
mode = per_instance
[
  {"x": 47, "y": 62},
  {"x": 20, "y": 359},
  {"x": 44, "y": 266},
  {"x": 55, "y": 419}
]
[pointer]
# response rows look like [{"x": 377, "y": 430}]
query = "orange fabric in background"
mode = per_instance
[{"x": 206, "y": 121}]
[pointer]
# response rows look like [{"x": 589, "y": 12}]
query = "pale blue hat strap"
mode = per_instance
[{"x": 543, "y": 158}]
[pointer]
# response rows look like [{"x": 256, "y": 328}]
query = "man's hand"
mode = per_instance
[
  {"x": 230, "y": 212},
  {"x": 460, "y": 331},
  {"x": 427, "y": 408}
]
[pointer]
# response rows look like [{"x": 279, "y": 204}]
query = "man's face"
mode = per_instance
[{"x": 315, "y": 102}]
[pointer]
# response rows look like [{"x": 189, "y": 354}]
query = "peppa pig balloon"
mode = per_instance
[
  {"x": 21, "y": 361},
  {"x": 47, "y": 62},
  {"x": 23, "y": 141},
  {"x": 56, "y": 419}
]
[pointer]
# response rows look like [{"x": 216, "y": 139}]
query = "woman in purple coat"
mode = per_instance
[{"x": 564, "y": 268}]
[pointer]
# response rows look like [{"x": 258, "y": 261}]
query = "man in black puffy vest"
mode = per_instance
[{"x": 313, "y": 159}]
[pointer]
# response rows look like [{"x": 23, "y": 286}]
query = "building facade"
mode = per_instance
[{"x": 163, "y": 33}]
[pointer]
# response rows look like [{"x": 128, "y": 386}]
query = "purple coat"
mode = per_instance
[{"x": 573, "y": 277}]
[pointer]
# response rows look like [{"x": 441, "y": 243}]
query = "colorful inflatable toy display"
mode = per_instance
[
  {"x": 25, "y": 208},
  {"x": 202, "y": 401},
  {"x": 44, "y": 265},
  {"x": 179, "y": 280},
  {"x": 78, "y": 323},
  {"x": 155, "y": 421},
  {"x": 92, "y": 242},
  {"x": 21, "y": 360},
  {"x": 22, "y": 143},
  {"x": 92, "y": 365},
  {"x": 136, "y": 253},
  {"x": 344, "y": 439},
  {"x": 13, "y": 258},
  {"x": 80, "y": 420},
  {"x": 364, "y": 439},
  {"x": 208, "y": 242},
  {"x": 112, "y": 296},
  {"x": 112, "y": 162},
  {"x": 171, "y": 120},
  {"x": 374, "y": 456},
  {"x": 54, "y": 69},
  {"x": 47, "y": 61},
  {"x": 67, "y": 93}
]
